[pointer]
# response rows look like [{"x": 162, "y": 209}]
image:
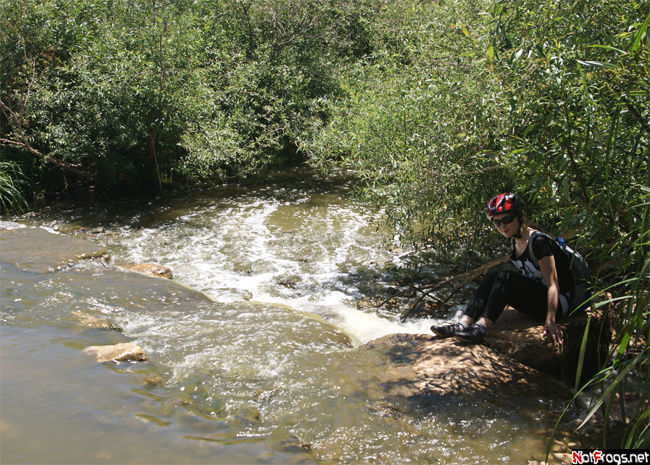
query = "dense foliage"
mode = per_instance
[
  {"x": 129, "y": 95},
  {"x": 433, "y": 105}
]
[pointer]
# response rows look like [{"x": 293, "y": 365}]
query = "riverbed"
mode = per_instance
[{"x": 252, "y": 349}]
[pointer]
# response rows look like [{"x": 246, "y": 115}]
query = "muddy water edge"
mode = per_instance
[{"x": 253, "y": 348}]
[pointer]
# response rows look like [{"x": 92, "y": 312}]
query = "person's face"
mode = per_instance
[{"x": 506, "y": 223}]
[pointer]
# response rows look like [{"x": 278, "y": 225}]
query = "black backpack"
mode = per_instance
[{"x": 580, "y": 272}]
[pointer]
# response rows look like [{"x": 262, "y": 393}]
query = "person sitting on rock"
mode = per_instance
[{"x": 542, "y": 293}]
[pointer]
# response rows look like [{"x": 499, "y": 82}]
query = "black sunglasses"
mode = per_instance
[{"x": 505, "y": 220}]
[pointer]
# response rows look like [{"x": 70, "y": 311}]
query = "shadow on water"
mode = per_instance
[{"x": 155, "y": 210}]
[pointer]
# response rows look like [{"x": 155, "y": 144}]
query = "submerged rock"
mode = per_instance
[
  {"x": 230, "y": 294},
  {"x": 248, "y": 415},
  {"x": 150, "y": 269},
  {"x": 293, "y": 444},
  {"x": 153, "y": 380},
  {"x": 34, "y": 249},
  {"x": 95, "y": 322},
  {"x": 123, "y": 352}
]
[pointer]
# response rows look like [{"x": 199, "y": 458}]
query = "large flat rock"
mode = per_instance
[
  {"x": 37, "y": 250},
  {"x": 421, "y": 364}
]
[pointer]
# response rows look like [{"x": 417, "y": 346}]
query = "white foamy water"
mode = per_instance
[{"x": 310, "y": 251}]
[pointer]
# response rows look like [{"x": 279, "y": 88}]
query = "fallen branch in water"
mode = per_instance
[{"x": 468, "y": 276}]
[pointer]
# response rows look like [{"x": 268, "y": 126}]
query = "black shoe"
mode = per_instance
[
  {"x": 474, "y": 334},
  {"x": 448, "y": 330}
]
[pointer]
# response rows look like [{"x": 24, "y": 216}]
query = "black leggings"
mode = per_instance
[{"x": 501, "y": 288}]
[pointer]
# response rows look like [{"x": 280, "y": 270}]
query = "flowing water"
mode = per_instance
[{"x": 252, "y": 357}]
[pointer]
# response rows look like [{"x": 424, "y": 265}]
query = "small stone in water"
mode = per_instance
[
  {"x": 153, "y": 380},
  {"x": 292, "y": 444},
  {"x": 150, "y": 269},
  {"x": 94, "y": 322},
  {"x": 124, "y": 352}
]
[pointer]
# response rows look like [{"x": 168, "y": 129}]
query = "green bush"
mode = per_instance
[
  {"x": 421, "y": 123},
  {"x": 130, "y": 95}
]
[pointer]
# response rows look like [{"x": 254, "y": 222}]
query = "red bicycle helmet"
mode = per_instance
[{"x": 503, "y": 203}]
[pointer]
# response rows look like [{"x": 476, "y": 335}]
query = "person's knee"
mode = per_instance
[{"x": 499, "y": 279}]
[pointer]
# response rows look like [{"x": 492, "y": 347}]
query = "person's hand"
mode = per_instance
[{"x": 552, "y": 331}]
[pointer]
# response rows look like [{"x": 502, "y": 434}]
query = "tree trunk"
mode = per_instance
[{"x": 152, "y": 158}]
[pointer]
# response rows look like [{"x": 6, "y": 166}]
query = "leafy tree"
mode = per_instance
[
  {"x": 421, "y": 122},
  {"x": 263, "y": 91}
]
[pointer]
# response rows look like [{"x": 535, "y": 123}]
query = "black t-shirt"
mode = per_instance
[{"x": 543, "y": 246}]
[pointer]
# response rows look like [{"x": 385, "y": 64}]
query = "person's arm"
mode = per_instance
[{"x": 549, "y": 273}]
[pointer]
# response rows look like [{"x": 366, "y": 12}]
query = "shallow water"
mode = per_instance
[{"x": 259, "y": 366}]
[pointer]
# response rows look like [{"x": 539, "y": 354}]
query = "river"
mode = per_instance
[{"x": 260, "y": 367}]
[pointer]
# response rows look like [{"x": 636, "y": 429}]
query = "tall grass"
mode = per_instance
[
  {"x": 623, "y": 384},
  {"x": 11, "y": 197}
]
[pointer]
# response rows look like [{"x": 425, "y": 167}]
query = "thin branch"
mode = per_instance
[
  {"x": 467, "y": 277},
  {"x": 20, "y": 140},
  {"x": 26, "y": 146}
]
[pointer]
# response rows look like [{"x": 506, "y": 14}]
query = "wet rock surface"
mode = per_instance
[
  {"x": 150, "y": 269},
  {"x": 95, "y": 322},
  {"x": 34, "y": 249},
  {"x": 424, "y": 365},
  {"x": 123, "y": 352}
]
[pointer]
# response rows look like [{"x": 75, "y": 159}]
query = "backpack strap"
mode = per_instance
[
  {"x": 533, "y": 258},
  {"x": 531, "y": 254}
]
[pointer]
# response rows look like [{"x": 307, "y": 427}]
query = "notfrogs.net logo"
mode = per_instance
[{"x": 610, "y": 456}]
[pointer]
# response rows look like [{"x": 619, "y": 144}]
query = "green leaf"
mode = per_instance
[
  {"x": 608, "y": 47},
  {"x": 624, "y": 343},
  {"x": 593, "y": 63},
  {"x": 581, "y": 357},
  {"x": 640, "y": 33},
  {"x": 615, "y": 385}
]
